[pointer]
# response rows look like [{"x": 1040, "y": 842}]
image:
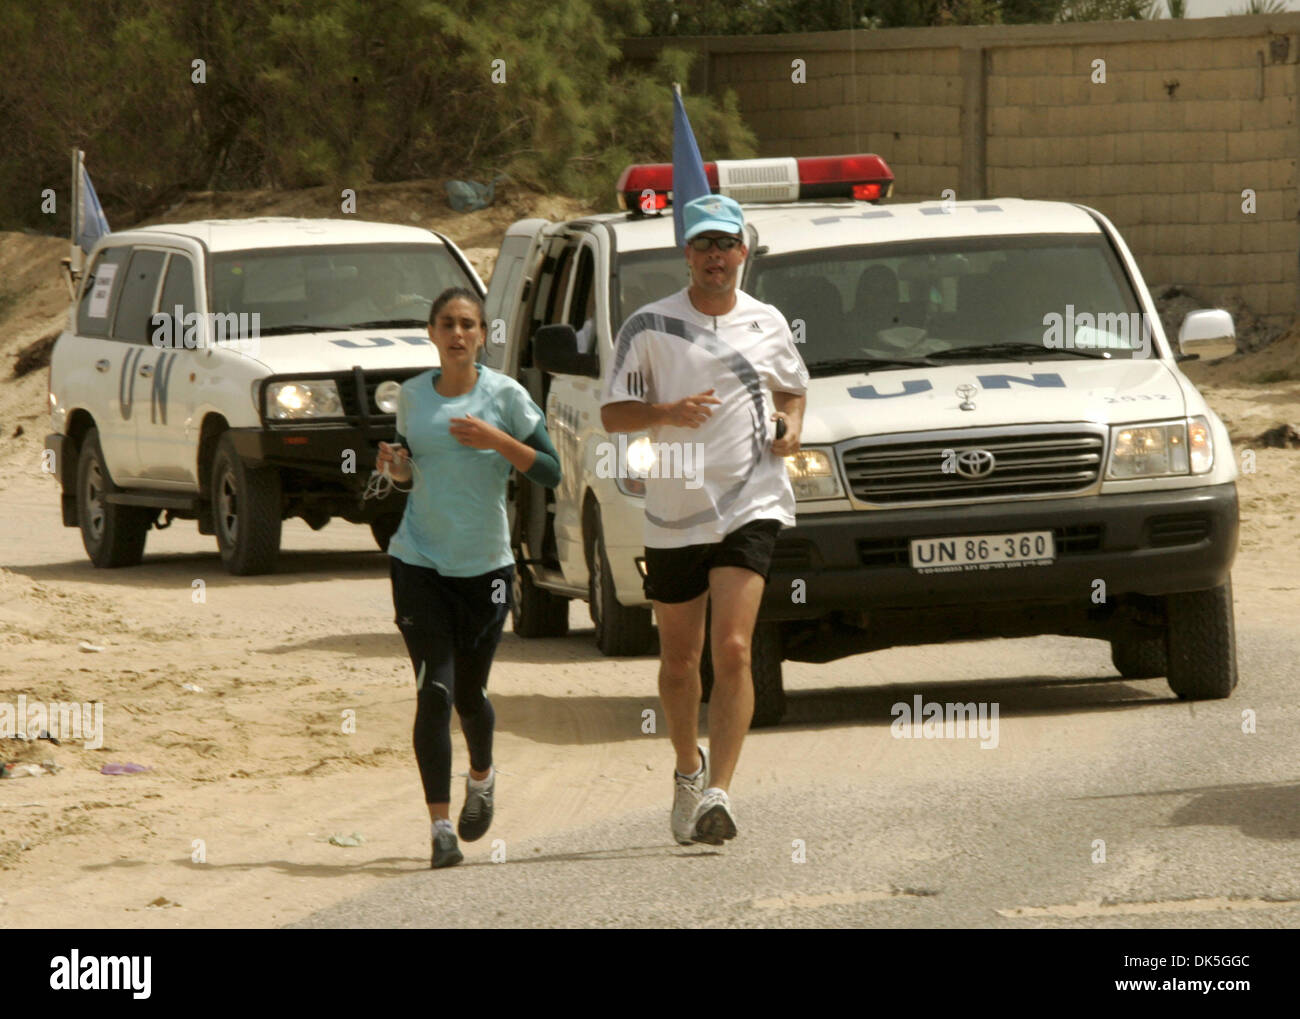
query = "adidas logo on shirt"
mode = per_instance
[
  {"x": 636, "y": 383},
  {"x": 754, "y": 327}
]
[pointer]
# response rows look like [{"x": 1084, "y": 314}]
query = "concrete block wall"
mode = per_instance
[
  {"x": 904, "y": 104},
  {"x": 1183, "y": 133}
]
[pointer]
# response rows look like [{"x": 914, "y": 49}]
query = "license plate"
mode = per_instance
[{"x": 969, "y": 552}]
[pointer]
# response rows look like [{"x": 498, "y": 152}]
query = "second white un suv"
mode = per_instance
[{"x": 238, "y": 373}]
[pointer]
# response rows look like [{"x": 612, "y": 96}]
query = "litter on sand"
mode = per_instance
[
  {"x": 88, "y": 647},
  {"x": 122, "y": 769},
  {"x": 21, "y": 770},
  {"x": 470, "y": 195},
  {"x": 355, "y": 839}
]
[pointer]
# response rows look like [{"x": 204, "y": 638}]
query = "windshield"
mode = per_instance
[
  {"x": 341, "y": 286},
  {"x": 986, "y": 298},
  {"x": 645, "y": 276},
  {"x": 982, "y": 298}
]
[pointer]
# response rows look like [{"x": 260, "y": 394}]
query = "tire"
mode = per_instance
[
  {"x": 112, "y": 535},
  {"x": 1202, "y": 644},
  {"x": 1140, "y": 659},
  {"x": 766, "y": 655},
  {"x": 246, "y": 508},
  {"x": 535, "y": 612},
  {"x": 383, "y": 528},
  {"x": 619, "y": 630}
]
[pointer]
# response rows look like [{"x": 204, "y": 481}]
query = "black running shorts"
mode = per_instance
[{"x": 676, "y": 575}]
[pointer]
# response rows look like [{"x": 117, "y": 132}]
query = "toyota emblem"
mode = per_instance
[{"x": 975, "y": 463}]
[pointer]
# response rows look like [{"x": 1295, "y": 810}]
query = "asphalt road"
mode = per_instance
[{"x": 1200, "y": 821}]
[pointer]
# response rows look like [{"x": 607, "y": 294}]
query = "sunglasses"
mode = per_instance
[{"x": 721, "y": 243}]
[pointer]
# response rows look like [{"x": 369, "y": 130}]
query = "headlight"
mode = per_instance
[
  {"x": 640, "y": 456},
  {"x": 1201, "y": 444},
  {"x": 303, "y": 398},
  {"x": 812, "y": 475},
  {"x": 1160, "y": 450},
  {"x": 386, "y": 394},
  {"x": 640, "y": 460}
]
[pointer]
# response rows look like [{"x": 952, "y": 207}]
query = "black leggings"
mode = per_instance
[{"x": 451, "y": 626}]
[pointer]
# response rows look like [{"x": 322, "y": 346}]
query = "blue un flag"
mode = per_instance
[
  {"x": 91, "y": 224},
  {"x": 689, "y": 180}
]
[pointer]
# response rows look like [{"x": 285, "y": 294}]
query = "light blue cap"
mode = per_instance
[{"x": 713, "y": 212}]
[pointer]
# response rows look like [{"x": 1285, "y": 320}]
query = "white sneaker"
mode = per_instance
[
  {"x": 686, "y": 797},
  {"x": 713, "y": 823}
]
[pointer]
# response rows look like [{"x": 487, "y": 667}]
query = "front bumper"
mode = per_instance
[
  {"x": 343, "y": 453},
  {"x": 59, "y": 445},
  {"x": 1145, "y": 543}
]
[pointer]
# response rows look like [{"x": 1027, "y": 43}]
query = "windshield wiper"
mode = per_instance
[
  {"x": 381, "y": 323},
  {"x": 303, "y": 327},
  {"x": 1029, "y": 351},
  {"x": 836, "y": 365}
]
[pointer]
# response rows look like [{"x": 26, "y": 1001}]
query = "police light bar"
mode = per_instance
[{"x": 647, "y": 188}]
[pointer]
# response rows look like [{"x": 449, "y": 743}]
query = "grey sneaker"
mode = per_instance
[
  {"x": 446, "y": 853},
  {"x": 476, "y": 814},
  {"x": 713, "y": 823},
  {"x": 686, "y": 796}
]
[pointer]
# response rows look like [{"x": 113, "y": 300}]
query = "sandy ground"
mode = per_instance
[
  {"x": 255, "y": 770},
  {"x": 251, "y": 773}
]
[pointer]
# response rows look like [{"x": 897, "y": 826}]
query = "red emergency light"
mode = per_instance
[{"x": 646, "y": 188}]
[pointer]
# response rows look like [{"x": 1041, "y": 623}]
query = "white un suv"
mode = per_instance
[
  {"x": 238, "y": 373},
  {"x": 998, "y": 440}
]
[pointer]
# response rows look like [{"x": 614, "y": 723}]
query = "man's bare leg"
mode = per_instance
[
  {"x": 681, "y": 642},
  {"x": 735, "y": 593}
]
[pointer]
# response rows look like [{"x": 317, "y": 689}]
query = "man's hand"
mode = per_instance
[
  {"x": 476, "y": 434},
  {"x": 788, "y": 444},
  {"x": 690, "y": 411},
  {"x": 789, "y": 408}
]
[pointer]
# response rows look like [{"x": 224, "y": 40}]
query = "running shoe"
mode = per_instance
[
  {"x": 713, "y": 823},
  {"x": 686, "y": 796},
  {"x": 476, "y": 815},
  {"x": 446, "y": 853}
]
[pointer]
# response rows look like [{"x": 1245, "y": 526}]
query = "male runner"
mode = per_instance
[{"x": 713, "y": 367}]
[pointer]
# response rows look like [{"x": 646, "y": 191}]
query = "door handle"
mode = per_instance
[
  {"x": 101, "y": 365},
  {"x": 146, "y": 371}
]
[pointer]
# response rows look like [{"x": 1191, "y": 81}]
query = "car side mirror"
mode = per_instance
[
  {"x": 555, "y": 350},
  {"x": 1208, "y": 334}
]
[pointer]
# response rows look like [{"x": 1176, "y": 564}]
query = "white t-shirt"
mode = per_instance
[{"x": 723, "y": 474}]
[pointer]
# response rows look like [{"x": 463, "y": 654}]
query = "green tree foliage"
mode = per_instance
[
  {"x": 929, "y": 13},
  {"x": 1110, "y": 10},
  {"x": 748, "y": 17},
  {"x": 752, "y": 17},
  {"x": 1030, "y": 12},
  {"x": 1263, "y": 7},
  {"x": 330, "y": 92},
  {"x": 744, "y": 17}
]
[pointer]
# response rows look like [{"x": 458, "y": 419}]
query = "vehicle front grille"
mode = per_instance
[
  {"x": 347, "y": 382},
  {"x": 927, "y": 470}
]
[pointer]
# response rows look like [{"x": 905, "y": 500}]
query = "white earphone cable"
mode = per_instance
[{"x": 381, "y": 483}]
